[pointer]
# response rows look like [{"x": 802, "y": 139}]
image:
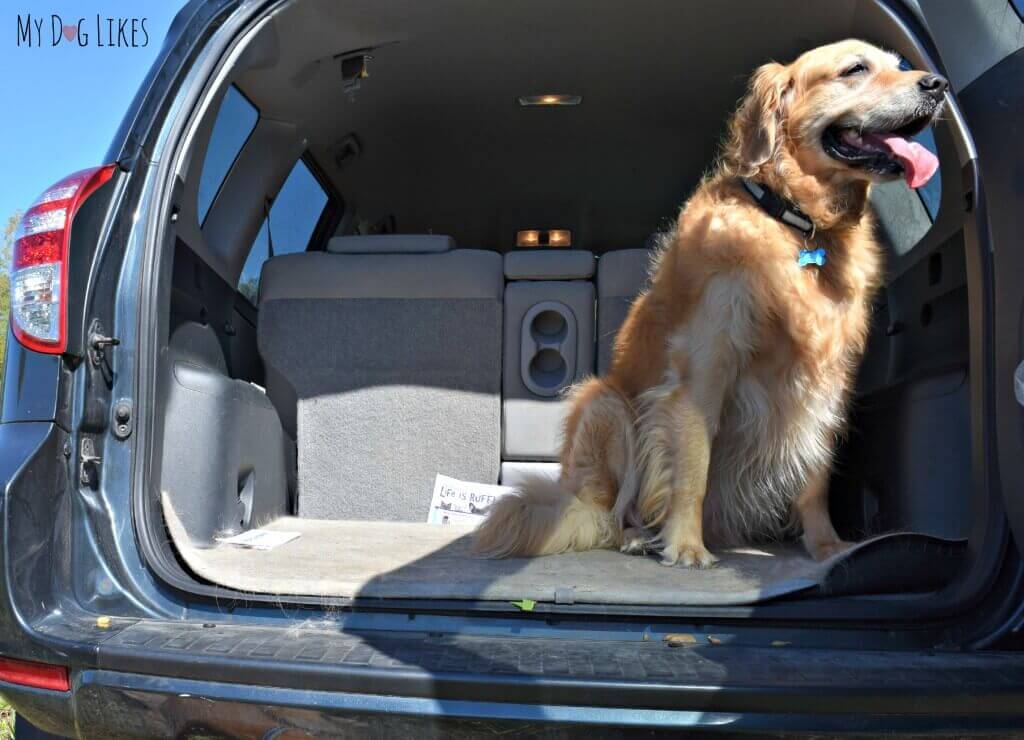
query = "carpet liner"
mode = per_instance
[{"x": 361, "y": 559}]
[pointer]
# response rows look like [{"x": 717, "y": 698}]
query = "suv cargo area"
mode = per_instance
[{"x": 391, "y": 256}]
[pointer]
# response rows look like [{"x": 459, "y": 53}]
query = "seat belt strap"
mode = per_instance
[{"x": 270, "y": 236}]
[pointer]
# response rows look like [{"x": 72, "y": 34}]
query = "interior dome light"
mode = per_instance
[{"x": 550, "y": 99}]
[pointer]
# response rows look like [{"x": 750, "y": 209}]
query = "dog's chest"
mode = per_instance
[
  {"x": 782, "y": 419},
  {"x": 774, "y": 432},
  {"x": 787, "y": 402}
]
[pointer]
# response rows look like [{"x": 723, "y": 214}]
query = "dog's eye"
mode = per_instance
[{"x": 856, "y": 69}]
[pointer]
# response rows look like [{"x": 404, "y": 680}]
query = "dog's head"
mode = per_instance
[{"x": 842, "y": 112}]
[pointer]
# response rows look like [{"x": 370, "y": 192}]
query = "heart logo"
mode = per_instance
[{"x": 70, "y": 32}]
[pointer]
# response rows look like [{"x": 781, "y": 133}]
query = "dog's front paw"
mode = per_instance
[
  {"x": 691, "y": 556},
  {"x": 823, "y": 550}
]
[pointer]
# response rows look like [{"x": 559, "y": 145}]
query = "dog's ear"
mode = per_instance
[{"x": 756, "y": 128}]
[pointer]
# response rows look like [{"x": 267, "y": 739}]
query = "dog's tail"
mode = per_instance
[{"x": 544, "y": 518}]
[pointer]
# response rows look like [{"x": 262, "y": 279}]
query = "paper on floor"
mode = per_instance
[
  {"x": 462, "y": 502},
  {"x": 259, "y": 539}
]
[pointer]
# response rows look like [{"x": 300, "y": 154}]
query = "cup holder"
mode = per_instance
[
  {"x": 548, "y": 369},
  {"x": 549, "y": 325},
  {"x": 548, "y": 357}
]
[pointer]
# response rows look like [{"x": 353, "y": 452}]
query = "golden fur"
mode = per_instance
[{"x": 730, "y": 376}]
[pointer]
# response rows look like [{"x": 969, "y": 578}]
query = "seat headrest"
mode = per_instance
[
  {"x": 562, "y": 264},
  {"x": 391, "y": 244},
  {"x": 623, "y": 273}
]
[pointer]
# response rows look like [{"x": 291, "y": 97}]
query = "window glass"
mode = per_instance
[
  {"x": 931, "y": 193},
  {"x": 901, "y": 213},
  {"x": 293, "y": 219},
  {"x": 235, "y": 121}
]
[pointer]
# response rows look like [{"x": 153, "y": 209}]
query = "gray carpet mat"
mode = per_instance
[{"x": 359, "y": 559}]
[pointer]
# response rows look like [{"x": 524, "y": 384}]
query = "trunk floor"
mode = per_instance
[{"x": 363, "y": 559}]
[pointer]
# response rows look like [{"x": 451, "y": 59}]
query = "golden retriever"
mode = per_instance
[{"x": 717, "y": 420}]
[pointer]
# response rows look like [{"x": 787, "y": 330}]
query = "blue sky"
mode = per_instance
[{"x": 62, "y": 104}]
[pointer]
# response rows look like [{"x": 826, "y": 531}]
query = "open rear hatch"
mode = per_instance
[{"x": 328, "y": 354}]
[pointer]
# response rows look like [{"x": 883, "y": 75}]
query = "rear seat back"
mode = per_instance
[
  {"x": 621, "y": 276},
  {"x": 383, "y": 357}
]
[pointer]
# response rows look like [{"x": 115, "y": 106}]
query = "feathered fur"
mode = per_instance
[{"x": 578, "y": 511}]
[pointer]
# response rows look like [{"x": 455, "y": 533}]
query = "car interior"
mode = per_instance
[{"x": 402, "y": 235}]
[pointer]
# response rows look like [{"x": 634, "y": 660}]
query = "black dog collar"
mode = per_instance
[{"x": 779, "y": 208}]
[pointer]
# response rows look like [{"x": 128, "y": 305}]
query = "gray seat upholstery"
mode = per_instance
[
  {"x": 565, "y": 264},
  {"x": 621, "y": 275},
  {"x": 386, "y": 368},
  {"x": 391, "y": 244}
]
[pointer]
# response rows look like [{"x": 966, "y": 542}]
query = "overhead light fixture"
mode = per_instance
[
  {"x": 559, "y": 238},
  {"x": 528, "y": 238},
  {"x": 550, "y": 99},
  {"x": 542, "y": 238}
]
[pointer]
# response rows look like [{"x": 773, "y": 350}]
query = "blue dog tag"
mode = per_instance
[{"x": 811, "y": 257}]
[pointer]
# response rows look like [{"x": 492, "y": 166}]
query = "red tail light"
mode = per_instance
[
  {"x": 39, "y": 268},
  {"x": 36, "y": 675}
]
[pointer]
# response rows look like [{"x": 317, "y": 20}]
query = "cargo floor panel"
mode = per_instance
[{"x": 403, "y": 560}]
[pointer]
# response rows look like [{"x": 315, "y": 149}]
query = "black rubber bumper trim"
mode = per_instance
[
  {"x": 122, "y": 703},
  {"x": 595, "y": 673}
]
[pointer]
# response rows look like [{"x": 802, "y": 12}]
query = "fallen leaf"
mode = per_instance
[
  {"x": 675, "y": 639},
  {"x": 525, "y": 604}
]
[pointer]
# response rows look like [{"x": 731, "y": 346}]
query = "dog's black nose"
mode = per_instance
[{"x": 934, "y": 85}]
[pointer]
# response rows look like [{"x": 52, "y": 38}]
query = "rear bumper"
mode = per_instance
[
  {"x": 110, "y": 703},
  {"x": 162, "y": 678}
]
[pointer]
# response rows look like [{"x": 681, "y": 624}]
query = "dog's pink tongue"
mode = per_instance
[{"x": 919, "y": 164}]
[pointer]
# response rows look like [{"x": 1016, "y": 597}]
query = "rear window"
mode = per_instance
[
  {"x": 293, "y": 219},
  {"x": 236, "y": 119}
]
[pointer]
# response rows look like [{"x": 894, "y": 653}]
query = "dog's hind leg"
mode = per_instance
[
  {"x": 638, "y": 541},
  {"x": 598, "y": 452},
  {"x": 601, "y": 460}
]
